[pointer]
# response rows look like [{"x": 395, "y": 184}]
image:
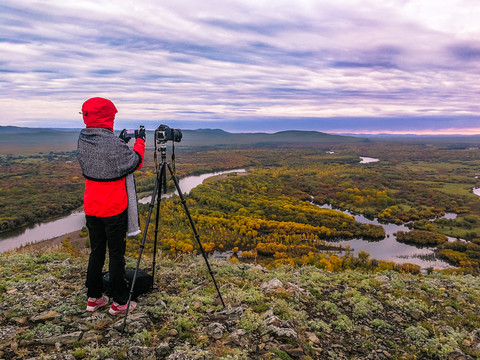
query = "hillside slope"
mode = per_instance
[{"x": 303, "y": 313}]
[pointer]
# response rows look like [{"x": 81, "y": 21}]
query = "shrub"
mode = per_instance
[{"x": 416, "y": 333}]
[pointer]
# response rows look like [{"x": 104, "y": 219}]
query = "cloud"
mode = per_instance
[{"x": 198, "y": 62}]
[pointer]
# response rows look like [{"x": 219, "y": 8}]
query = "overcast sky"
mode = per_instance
[{"x": 351, "y": 66}]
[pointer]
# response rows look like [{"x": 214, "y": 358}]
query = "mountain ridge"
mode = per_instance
[{"x": 22, "y": 139}]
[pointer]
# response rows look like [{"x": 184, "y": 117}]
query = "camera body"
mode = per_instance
[{"x": 165, "y": 133}]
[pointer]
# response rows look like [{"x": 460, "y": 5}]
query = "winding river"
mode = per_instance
[
  {"x": 385, "y": 249},
  {"x": 75, "y": 221}
]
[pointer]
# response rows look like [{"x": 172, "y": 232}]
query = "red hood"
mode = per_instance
[{"x": 99, "y": 113}]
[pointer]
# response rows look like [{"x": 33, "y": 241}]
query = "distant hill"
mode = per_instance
[
  {"x": 221, "y": 137},
  {"x": 23, "y": 140}
]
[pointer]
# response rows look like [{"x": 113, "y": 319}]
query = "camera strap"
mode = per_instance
[{"x": 173, "y": 158}]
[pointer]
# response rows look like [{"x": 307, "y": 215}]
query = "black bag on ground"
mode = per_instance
[{"x": 143, "y": 282}]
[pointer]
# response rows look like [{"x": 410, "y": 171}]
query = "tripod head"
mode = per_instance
[{"x": 162, "y": 134}]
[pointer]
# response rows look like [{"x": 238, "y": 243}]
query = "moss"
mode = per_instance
[
  {"x": 416, "y": 333},
  {"x": 79, "y": 353},
  {"x": 250, "y": 322},
  {"x": 343, "y": 323},
  {"x": 281, "y": 354}
]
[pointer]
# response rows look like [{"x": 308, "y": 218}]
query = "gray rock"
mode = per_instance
[
  {"x": 294, "y": 352},
  {"x": 238, "y": 337},
  {"x": 268, "y": 313},
  {"x": 228, "y": 314},
  {"x": 63, "y": 339},
  {"x": 136, "y": 323},
  {"x": 162, "y": 350},
  {"x": 189, "y": 354},
  {"x": 282, "y": 333},
  {"x": 298, "y": 290},
  {"x": 161, "y": 303},
  {"x": 397, "y": 318},
  {"x": 272, "y": 285},
  {"x": 44, "y": 316},
  {"x": 312, "y": 338},
  {"x": 65, "y": 357},
  {"x": 93, "y": 335},
  {"x": 457, "y": 355},
  {"x": 19, "y": 320},
  {"x": 140, "y": 352},
  {"x": 259, "y": 268},
  {"x": 417, "y": 315},
  {"x": 216, "y": 330},
  {"x": 382, "y": 278},
  {"x": 99, "y": 320},
  {"x": 273, "y": 320}
]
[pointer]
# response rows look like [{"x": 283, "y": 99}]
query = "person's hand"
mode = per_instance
[
  {"x": 140, "y": 134},
  {"x": 123, "y": 136}
]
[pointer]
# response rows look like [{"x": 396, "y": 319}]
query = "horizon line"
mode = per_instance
[{"x": 410, "y": 132}]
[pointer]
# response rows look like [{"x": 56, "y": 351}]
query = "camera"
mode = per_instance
[
  {"x": 164, "y": 133},
  {"x": 127, "y": 134}
]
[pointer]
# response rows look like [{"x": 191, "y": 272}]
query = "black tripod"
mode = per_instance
[{"x": 161, "y": 186}]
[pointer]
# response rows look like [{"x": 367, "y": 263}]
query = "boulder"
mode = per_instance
[
  {"x": 272, "y": 285},
  {"x": 282, "y": 333}
]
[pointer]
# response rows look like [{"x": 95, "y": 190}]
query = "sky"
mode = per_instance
[{"x": 343, "y": 66}]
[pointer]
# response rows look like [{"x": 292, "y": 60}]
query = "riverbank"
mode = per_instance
[{"x": 74, "y": 238}]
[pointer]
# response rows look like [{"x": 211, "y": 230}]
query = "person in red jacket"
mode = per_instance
[{"x": 106, "y": 161}]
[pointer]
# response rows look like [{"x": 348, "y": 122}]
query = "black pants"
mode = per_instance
[{"x": 109, "y": 231}]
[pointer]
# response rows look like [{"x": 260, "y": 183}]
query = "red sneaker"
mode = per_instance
[
  {"x": 116, "y": 308},
  {"x": 93, "y": 304}
]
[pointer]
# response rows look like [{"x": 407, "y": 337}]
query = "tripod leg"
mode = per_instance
[
  {"x": 142, "y": 246},
  {"x": 161, "y": 181},
  {"x": 184, "y": 203}
]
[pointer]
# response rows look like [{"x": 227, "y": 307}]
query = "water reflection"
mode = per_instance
[
  {"x": 367, "y": 160},
  {"x": 188, "y": 183},
  {"x": 43, "y": 231},
  {"x": 389, "y": 248}
]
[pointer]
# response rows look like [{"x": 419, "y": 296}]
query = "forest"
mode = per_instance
[{"x": 272, "y": 212}]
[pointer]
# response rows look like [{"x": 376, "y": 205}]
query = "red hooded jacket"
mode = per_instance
[{"x": 106, "y": 198}]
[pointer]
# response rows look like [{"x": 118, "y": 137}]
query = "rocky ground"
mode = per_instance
[{"x": 286, "y": 313}]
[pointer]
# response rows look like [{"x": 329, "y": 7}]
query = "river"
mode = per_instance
[
  {"x": 389, "y": 248},
  {"x": 385, "y": 249},
  {"x": 367, "y": 160},
  {"x": 75, "y": 221}
]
